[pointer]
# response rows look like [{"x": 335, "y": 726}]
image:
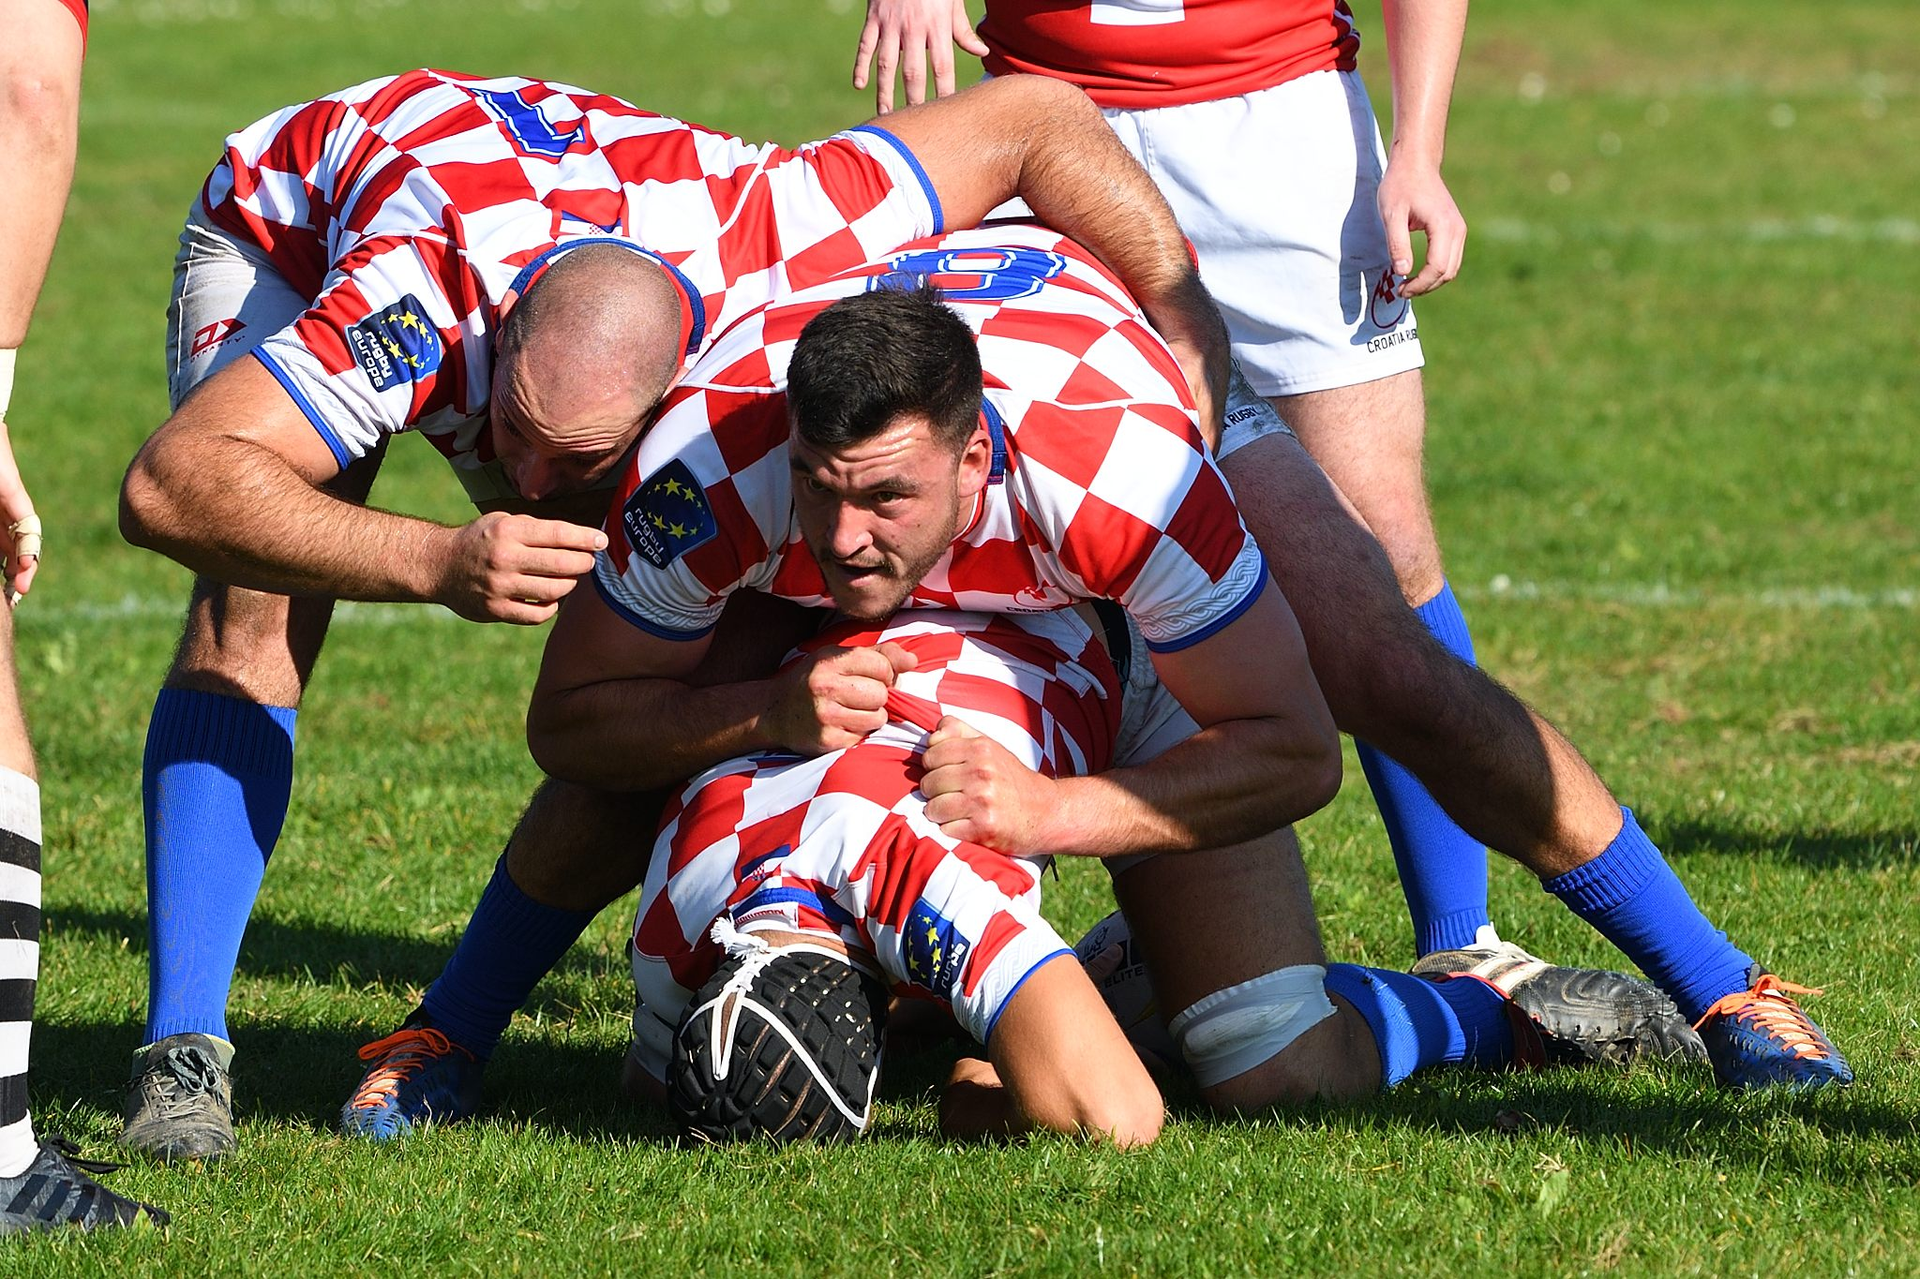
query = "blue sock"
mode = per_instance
[
  {"x": 1418, "y": 1023},
  {"x": 510, "y": 944},
  {"x": 1443, "y": 870},
  {"x": 214, "y": 782},
  {"x": 1634, "y": 899}
]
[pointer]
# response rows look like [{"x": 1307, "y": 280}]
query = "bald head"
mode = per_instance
[{"x": 583, "y": 357}]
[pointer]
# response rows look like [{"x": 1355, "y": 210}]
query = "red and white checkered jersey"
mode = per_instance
[
  {"x": 407, "y": 206},
  {"x": 840, "y": 845},
  {"x": 1165, "y": 53},
  {"x": 1101, "y": 487}
]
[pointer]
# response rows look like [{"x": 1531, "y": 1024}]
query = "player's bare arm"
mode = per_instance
[
  {"x": 1266, "y": 755},
  {"x": 232, "y": 487},
  {"x": 39, "y": 119},
  {"x": 908, "y": 36},
  {"x": 1056, "y": 1060},
  {"x": 1045, "y": 142},
  {"x": 1423, "y": 50},
  {"x": 614, "y": 706}
]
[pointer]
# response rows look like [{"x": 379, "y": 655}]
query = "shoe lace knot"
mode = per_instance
[
  {"x": 1768, "y": 1009},
  {"x": 189, "y": 1070},
  {"x": 400, "y": 1054}
]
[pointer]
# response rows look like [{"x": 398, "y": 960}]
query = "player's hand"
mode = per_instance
[
  {"x": 834, "y": 697},
  {"x": 977, "y": 791},
  {"x": 15, "y": 506},
  {"x": 905, "y": 35},
  {"x": 515, "y": 568},
  {"x": 1207, "y": 382},
  {"x": 1414, "y": 198}
]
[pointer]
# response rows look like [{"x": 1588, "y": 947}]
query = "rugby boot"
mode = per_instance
[
  {"x": 1760, "y": 1038},
  {"x": 56, "y": 1190},
  {"x": 180, "y": 1100},
  {"x": 1583, "y": 1016},
  {"x": 415, "y": 1077}
]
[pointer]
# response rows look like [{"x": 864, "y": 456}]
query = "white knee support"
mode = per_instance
[{"x": 1233, "y": 1030}]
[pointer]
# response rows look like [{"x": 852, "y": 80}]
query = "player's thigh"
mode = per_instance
[
  {"x": 1205, "y": 921},
  {"x": 1375, "y": 662},
  {"x": 1369, "y": 438}
]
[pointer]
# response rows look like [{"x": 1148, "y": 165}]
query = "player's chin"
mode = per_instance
[{"x": 871, "y": 597}]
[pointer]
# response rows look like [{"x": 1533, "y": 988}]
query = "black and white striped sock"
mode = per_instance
[{"x": 19, "y": 961}]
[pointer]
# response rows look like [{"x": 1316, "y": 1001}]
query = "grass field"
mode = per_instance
[{"x": 1674, "y": 455}]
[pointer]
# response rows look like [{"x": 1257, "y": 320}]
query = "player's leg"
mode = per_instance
[
  {"x": 1277, "y": 189},
  {"x": 39, "y": 1187},
  {"x": 1254, "y": 1010},
  {"x": 573, "y": 852},
  {"x": 1501, "y": 771},
  {"x": 218, "y": 766}
]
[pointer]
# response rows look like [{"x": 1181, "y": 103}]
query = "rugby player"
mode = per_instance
[
  {"x": 1084, "y": 500},
  {"x": 41, "y": 1186},
  {"x": 1023, "y": 445},
  {"x": 441, "y": 253},
  {"x": 1252, "y": 118}
]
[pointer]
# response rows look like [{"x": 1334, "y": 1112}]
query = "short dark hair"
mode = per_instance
[{"x": 870, "y": 358}]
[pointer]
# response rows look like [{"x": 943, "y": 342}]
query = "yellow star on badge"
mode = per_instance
[
  {"x": 672, "y": 487},
  {"x": 657, "y": 521},
  {"x": 677, "y": 529}
]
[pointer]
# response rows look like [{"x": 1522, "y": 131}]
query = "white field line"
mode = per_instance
[
  {"x": 1814, "y": 228},
  {"x": 144, "y": 608}
]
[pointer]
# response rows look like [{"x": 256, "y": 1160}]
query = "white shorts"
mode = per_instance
[
  {"x": 228, "y": 297},
  {"x": 1276, "y": 189}
]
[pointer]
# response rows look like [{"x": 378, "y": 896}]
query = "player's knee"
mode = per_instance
[{"x": 1251, "y": 1045}]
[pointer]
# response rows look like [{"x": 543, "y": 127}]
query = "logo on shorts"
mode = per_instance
[
  {"x": 668, "y": 515},
  {"x": 936, "y": 950},
  {"x": 208, "y": 336},
  {"x": 395, "y": 345},
  {"x": 1387, "y": 307}
]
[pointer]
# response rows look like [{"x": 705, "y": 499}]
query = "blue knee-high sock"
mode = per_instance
[
  {"x": 510, "y": 944},
  {"x": 214, "y": 782},
  {"x": 1418, "y": 1023},
  {"x": 1634, "y": 899},
  {"x": 1443, "y": 870}
]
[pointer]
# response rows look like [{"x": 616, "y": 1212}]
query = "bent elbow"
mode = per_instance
[{"x": 143, "y": 505}]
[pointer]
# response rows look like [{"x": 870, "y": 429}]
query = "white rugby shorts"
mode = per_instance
[{"x": 1276, "y": 189}]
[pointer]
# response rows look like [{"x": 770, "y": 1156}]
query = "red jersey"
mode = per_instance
[
  {"x": 1101, "y": 487},
  {"x": 1167, "y": 53},
  {"x": 408, "y": 206}
]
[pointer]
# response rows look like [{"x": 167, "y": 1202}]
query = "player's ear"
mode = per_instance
[
  {"x": 507, "y": 302},
  {"x": 976, "y": 461}
]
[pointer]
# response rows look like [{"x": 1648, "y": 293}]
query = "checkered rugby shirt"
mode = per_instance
[
  {"x": 406, "y": 207},
  {"x": 1101, "y": 487},
  {"x": 841, "y": 844}
]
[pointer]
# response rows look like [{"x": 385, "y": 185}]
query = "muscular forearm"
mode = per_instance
[
  {"x": 1423, "y": 51},
  {"x": 640, "y": 734},
  {"x": 239, "y": 514},
  {"x": 1226, "y": 784}
]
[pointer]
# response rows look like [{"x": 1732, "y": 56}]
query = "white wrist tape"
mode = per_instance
[{"x": 6, "y": 381}]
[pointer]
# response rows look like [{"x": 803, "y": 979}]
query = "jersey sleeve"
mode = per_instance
[
  {"x": 849, "y": 199},
  {"x": 384, "y": 347},
  {"x": 699, "y": 514},
  {"x": 1152, "y": 526}
]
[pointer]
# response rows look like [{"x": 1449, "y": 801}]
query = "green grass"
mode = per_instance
[{"x": 1674, "y": 461}]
